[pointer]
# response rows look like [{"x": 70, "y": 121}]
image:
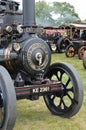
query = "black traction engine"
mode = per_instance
[{"x": 26, "y": 71}]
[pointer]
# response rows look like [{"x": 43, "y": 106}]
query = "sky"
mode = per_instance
[{"x": 79, "y": 5}]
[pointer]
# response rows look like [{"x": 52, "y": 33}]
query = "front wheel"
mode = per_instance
[
  {"x": 81, "y": 52},
  {"x": 70, "y": 51},
  {"x": 7, "y": 101},
  {"x": 65, "y": 103},
  {"x": 53, "y": 47}
]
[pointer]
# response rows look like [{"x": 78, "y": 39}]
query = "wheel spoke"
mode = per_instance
[
  {"x": 70, "y": 89},
  {"x": 72, "y": 100},
  {"x": 70, "y": 97},
  {"x": 60, "y": 104},
  {"x": 56, "y": 73},
  {"x": 68, "y": 81},
  {"x": 53, "y": 97},
  {"x": 64, "y": 105},
  {"x": 59, "y": 75}
]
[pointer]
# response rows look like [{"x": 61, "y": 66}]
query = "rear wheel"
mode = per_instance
[
  {"x": 62, "y": 44},
  {"x": 67, "y": 102},
  {"x": 7, "y": 101}
]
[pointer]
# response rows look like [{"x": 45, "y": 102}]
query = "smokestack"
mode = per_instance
[{"x": 29, "y": 13}]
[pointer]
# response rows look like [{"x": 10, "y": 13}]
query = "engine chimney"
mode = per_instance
[{"x": 29, "y": 13}]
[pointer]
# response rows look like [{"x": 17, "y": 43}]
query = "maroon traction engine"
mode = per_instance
[{"x": 25, "y": 68}]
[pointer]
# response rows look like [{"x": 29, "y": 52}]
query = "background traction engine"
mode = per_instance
[{"x": 25, "y": 69}]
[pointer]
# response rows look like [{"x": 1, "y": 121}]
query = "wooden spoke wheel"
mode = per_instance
[
  {"x": 81, "y": 52},
  {"x": 70, "y": 51}
]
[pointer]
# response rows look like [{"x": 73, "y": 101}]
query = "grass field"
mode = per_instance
[{"x": 34, "y": 115}]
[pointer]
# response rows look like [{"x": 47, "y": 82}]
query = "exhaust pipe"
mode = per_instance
[{"x": 29, "y": 13}]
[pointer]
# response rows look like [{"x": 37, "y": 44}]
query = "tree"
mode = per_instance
[
  {"x": 43, "y": 14},
  {"x": 65, "y": 13},
  {"x": 56, "y": 14}
]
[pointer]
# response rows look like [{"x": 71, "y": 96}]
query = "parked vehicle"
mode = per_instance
[
  {"x": 76, "y": 34},
  {"x": 54, "y": 37}
]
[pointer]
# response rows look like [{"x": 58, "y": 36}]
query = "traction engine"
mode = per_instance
[{"x": 26, "y": 71}]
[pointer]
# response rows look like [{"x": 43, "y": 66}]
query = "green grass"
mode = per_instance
[{"x": 34, "y": 115}]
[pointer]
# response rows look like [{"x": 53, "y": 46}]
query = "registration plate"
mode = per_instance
[{"x": 40, "y": 90}]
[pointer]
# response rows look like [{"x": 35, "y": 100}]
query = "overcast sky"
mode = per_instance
[{"x": 79, "y": 5}]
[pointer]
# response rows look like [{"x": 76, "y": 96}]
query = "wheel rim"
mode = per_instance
[
  {"x": 62, "y": 101},
  {"x": 53, "y": 47},
  {"x": 2, "y": 107},
  {"x": 71, "y": 51}
]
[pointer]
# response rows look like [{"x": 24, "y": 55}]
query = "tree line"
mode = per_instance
[{"x": 55, "y": 14}]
